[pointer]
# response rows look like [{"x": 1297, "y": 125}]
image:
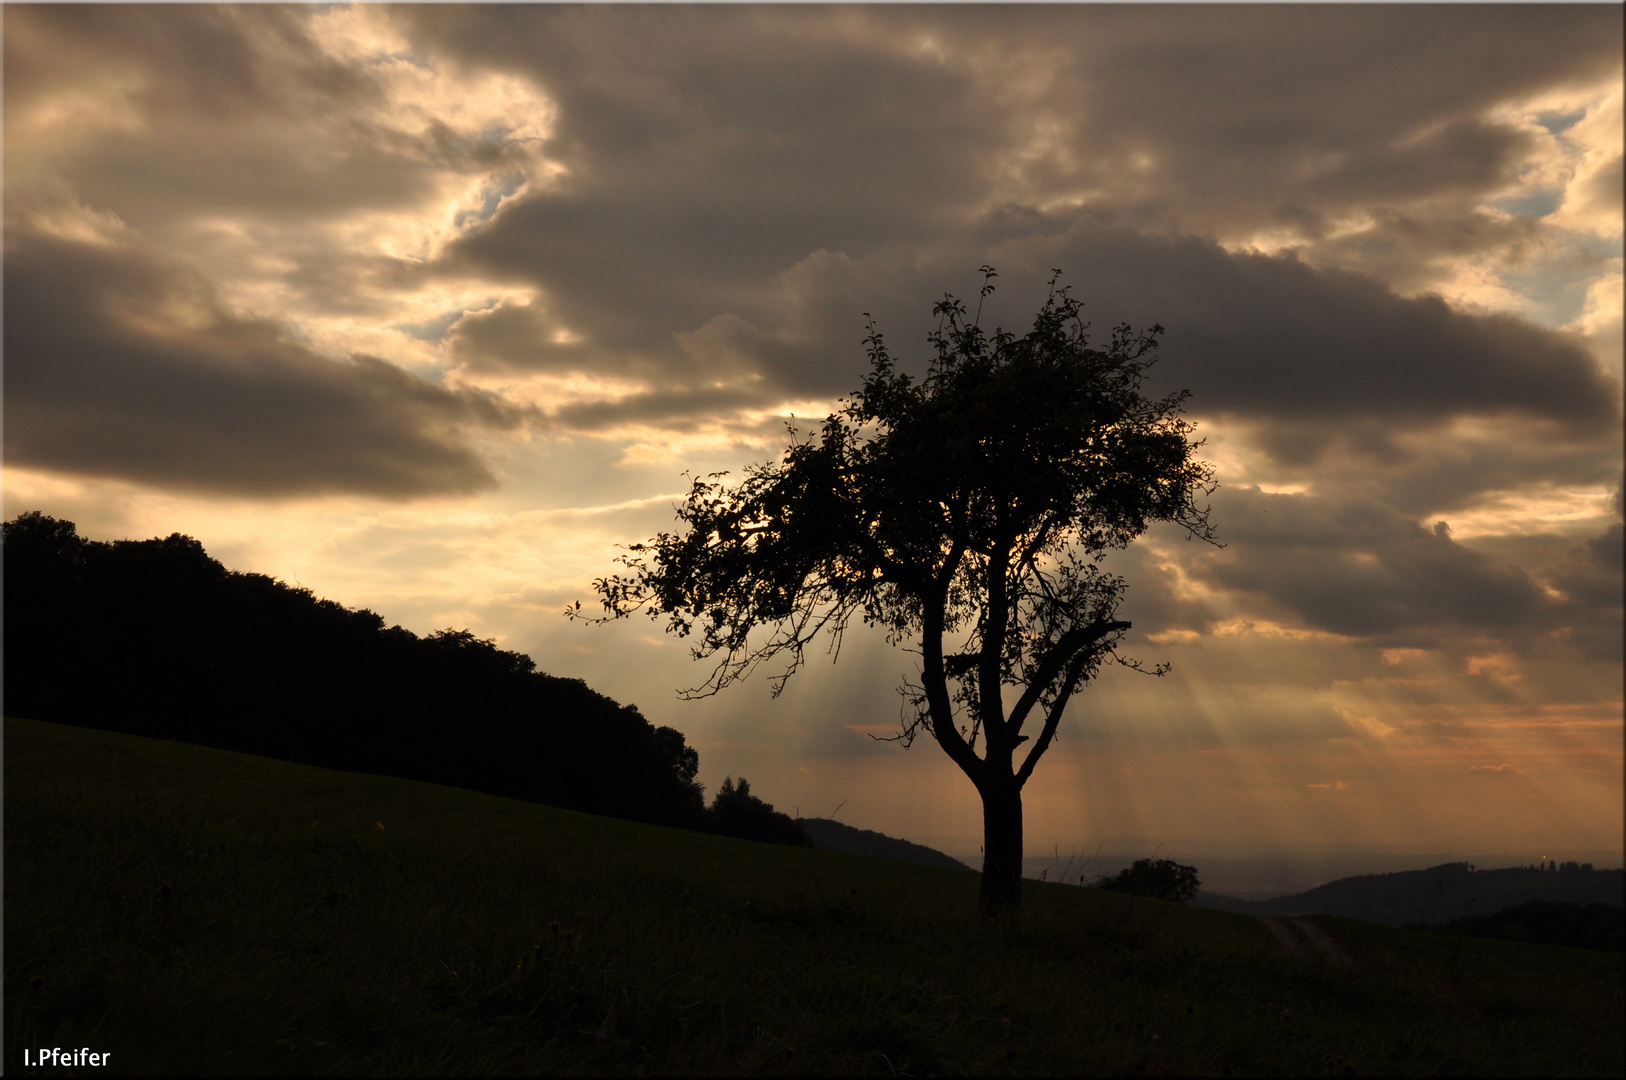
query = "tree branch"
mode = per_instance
[
  {"x": 1066, "y": 647},
  {"x": 996, "y": 616},
  {"x": 935, "y": 683},
  {"x": 1052, "y": 719}
]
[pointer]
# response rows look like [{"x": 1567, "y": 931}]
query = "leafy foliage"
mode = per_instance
[
  {"x": 980, "y": 499},
  {"x": 1160, "y": 879}
]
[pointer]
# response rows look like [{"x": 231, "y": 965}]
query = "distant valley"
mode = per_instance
[
  {"x": 1433, "y": 896},
  {"x": 1436, "y": 895}
]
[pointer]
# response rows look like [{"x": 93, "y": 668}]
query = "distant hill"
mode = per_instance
[
  {"x": 1437, "y": 895},
  {"x": 828, "y": 835}
]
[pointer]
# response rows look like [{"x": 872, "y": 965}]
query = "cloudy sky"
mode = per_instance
[{"x": 428, "y": 308}]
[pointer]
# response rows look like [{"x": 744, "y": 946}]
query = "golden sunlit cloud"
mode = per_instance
[
  {"x": 1500, "y": 668},
  {"x": 1592, "y": 193},
  {"x": 1370, "y": 725},
  {"x": 1600, "y": 319},
  {"x": 1524, "y": 513}
]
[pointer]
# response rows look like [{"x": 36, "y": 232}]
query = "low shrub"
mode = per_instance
[{"x": 1161, "y": 879}]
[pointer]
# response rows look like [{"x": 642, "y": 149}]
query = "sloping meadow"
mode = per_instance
[{"x": 192, "y": 910}]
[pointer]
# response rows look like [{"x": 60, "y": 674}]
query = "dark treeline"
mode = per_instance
[
  {"x": 736, "y": 812},
  {"x": 155, "y": 638}
]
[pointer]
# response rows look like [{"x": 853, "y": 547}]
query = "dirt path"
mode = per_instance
[
  {"x": 1286, "y": 938},
  {"x": 1300, "y": 936},
  {"x": 1323, "y": 944}
]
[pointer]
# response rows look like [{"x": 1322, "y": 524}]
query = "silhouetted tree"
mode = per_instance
[
  {"x": 1161, "y": 879},
  {"x": 977, "y": 503},
  {"x": 738, "y": 813}
]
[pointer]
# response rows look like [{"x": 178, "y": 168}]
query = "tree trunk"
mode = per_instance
[{"x": 1001, "y": 846}]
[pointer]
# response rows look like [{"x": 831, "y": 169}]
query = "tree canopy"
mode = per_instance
[{"x": 967, "y": 513}]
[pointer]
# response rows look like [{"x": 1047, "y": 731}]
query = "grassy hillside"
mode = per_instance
[
  {"x": 1584, "y": 926},
  {"x": 829, "y": 835},
  {"x": 194, "y": 910}
]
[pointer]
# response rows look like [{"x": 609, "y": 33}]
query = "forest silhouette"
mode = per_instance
[{"x": 155, "y": 638}]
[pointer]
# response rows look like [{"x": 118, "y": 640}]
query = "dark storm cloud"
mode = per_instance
[
  {"x": 1360, "y": 569},
  {"x": 1438, "y": 475},
  {"x": 1310, "y": 361},
  {"x": 121, "y": 363},
  {"x": 1403, "y": 247},
  {"x": 1295, "y": 115},
  {"x": 706, "y": 154},
  {"x": 684, "y": 405},
  {"x": 512, "y": 337},
  {"x": 787, "y": 130},
  {"x": 739, "y": 184},
  {"x": 209, "y": 85},
  {"x": 235, "y": 134},
  {"x": 1313, "y": 359},
  {"x": 216, "y": 61},
  {"x": 1592, "y": 577},
  {"x": 759, "y": 182},
  {"x": 1271, "y": 338}
]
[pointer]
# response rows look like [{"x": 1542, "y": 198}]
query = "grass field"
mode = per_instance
[{"x": 198, "y": 911}]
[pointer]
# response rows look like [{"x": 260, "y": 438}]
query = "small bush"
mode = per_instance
[{"x": 1161, "y": 879}]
